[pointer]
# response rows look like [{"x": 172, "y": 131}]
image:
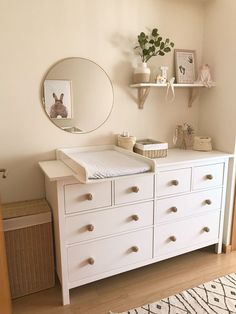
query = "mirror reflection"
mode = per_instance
[{"x": 77, "y": 95}]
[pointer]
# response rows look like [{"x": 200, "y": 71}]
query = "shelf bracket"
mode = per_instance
[
  {"x": 193, "y": 95},
  {"x": 144, "y": 89},
  {"x": 142, "y": 96}
]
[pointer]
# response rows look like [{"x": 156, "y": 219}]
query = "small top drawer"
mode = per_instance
[
  {"x": 173, "y": 182},
  {"x": 208, "y": 176},
  {"x": 134, "y": 189},
  {"x": 80, "y": 197}
]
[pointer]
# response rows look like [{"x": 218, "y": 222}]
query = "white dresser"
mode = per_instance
[{"x": 111, "y": 226}]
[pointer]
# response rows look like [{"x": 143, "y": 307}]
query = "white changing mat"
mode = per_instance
[{"x": 109, "y": 163}]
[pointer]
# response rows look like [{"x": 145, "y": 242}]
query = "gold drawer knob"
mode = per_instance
[
  {"x": 209, "y": 177},
  {"x": 173, "y": 238},
  {"x": 135, "y": 249},
  {"x": 135, "y": 217},
  {"x": 174, "y": 209},
  {"x": 135, "y": 189},
  {"x": 206, "y": 229},
  {"x": 90, "y": 227},
  {"x": 89, "y": 196},
  {"x": 91, "y": 261},
  {"x": 175, "y": 182},
  {"x": 208, "y": 202}
]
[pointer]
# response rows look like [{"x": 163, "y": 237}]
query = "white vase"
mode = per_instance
[{"x": 141, "y": 73}]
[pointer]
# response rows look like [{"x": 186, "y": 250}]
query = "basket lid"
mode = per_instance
[{"x": 25, "y": 208}]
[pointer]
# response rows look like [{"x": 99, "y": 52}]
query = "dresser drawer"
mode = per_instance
[
  {"x": 107, "y": 222},
  {"x": 134, "y": 189},
  {"x": 172, "y": 208},
  {"x": 89, "y": 259},
  {"x": 80, "y": 197},
  {"x": 173, "y": 182},
  {"x": 171, "y": 237},
  {"x": 208, "y": 176}
]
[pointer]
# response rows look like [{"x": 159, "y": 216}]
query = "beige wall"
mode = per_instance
[
  {"x": 218, "y": 109},
  {"x": 35, "y": 34}
]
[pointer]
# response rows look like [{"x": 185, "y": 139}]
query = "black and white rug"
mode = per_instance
[{"x": 217, "y": 296}]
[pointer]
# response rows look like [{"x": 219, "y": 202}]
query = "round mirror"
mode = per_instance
[{"x": 77, "y": 95}]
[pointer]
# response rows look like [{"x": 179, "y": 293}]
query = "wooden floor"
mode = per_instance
[{"x": 134, "y": 288}]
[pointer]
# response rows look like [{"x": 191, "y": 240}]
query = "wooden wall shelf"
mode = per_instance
[{"x": 144, "y": 89}]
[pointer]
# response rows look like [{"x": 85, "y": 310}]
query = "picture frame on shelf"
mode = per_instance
[
  {"x": 185, "y": 66},
  {"x": 58, "y": 99}
]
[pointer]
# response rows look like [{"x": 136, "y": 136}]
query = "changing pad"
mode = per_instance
[{"x": 109, "y": 163}]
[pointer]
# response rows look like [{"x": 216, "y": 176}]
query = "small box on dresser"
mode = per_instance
[{"x": 151, "y": 148}]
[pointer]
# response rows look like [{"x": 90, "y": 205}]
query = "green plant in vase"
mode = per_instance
[{"x": 150, "y": 45}]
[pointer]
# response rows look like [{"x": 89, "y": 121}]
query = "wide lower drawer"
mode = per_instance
[
  {"x": 134, "y": 189},
  {"x": 172, "y": 208},
  {"x": 173, "y": 182},
  {"x": 171, "y": 237},
  {"x": 80, "y": 197},
  {"x": 89, "y": 259},
  {"x": 106, "y": 222},
  {"x": 208, "y": 176}
]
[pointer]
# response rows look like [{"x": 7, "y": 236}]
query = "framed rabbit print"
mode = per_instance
[
  {"x": 185, "y": 66},
  {"x": 58, "y": 99}
]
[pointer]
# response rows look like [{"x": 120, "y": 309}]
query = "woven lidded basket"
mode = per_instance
[{"x": 29, "y": 246}]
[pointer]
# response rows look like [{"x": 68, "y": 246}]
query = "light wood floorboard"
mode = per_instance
[{"x": 134, "y": 288}]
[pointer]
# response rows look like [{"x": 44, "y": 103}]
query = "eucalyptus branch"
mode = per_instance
[{"x": 152, "y": 45}]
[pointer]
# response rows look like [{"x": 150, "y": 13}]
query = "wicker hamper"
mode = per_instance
[{"x": 29, "y": 246}]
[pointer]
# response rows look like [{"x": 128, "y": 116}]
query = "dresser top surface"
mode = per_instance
[
  {"x": 57, "y": 170},
  {"x": 178, "y": 156}
]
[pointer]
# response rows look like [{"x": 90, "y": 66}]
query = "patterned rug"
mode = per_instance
[{"x": 217, "y": 296}]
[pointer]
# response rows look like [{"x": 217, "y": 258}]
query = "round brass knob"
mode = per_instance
[
  {"x": 208, "y": 202},
  {"x": 135, "y": 189},
  {"x": 174, "y": 209},
  {"x": 90, "y": 228},
  {"x": 206, "y": 229},
  {"x": 135, "y": 249},
  {"x": 175, "y": 182},
  {"x": 173, "y": 238},
  {"x": 135, "y": 217},
  {"x": 91, "y": 261},
  {"x": 209, "y": 177},
  {"x": 89, "y": 197}
]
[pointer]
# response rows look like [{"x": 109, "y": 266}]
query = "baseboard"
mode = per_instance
[{"x": 227, "y": 248}]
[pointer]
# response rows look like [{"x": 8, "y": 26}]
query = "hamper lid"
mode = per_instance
[{"x": 25, "y": 208}]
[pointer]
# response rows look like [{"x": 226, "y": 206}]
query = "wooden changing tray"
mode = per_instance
[{"x": 82, "y": 171}]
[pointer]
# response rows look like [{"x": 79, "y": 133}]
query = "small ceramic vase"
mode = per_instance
[{"x": 141, "y": 73}]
